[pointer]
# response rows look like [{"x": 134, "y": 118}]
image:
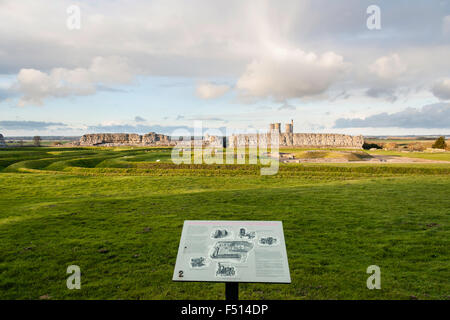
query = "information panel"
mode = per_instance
[{"x": 232, "y": 251}]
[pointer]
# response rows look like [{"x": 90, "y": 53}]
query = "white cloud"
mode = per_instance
[
  {"x": 211, "y": 91},
  {"x": 291, "y": 74},
  {"x": 388, "y": 67},
  {"x": 35, "y": 86},
  {"x": 441, "y": 89}
]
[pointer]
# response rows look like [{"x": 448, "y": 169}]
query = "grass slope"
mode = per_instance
[{"x": 118, "y": 215}]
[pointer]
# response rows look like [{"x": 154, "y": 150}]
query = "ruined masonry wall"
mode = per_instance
[
  {"x": 286, "y": 140},
  {"x": 301, "y": 140},
  {"x": 118, "y": 139}
]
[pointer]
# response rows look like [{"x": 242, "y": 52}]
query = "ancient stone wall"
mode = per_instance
[
  {"x": 125, "y": 139},
  {"x": 300, "y": 140},
  {"x": 2, "y": 141},
  {"x": 286, "y": 140}
]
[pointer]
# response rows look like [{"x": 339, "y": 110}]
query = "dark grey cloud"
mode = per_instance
[
  {"x": 384, "y": 93},
  {"x": 346, "y": 21},
  {"x": 286, "y": 106},
  {"x": 206, "y": 119},
  {"x": 139, "y": 119},
  {"x": 433, "y": 116},
  {"x": 29, "y": 125},
  {"x": 342, "y": 95},
  {"x": 310, "y": 22},
  {"x": 101, "y": 87}
]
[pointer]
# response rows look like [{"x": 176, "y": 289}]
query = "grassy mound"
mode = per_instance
[
  {"x": 327, "y": 154},
  {"x": 118, "y": 214}
]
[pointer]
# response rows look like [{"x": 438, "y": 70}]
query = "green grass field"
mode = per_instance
[
  {"x": 440, "y": 156},
  {"x": 118, "y": 214}
]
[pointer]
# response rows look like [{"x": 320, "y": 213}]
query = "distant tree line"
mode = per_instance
[{"x": 368, "y": 146}]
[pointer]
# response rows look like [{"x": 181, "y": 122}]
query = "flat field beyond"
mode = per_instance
[{"x": 118, "y": 214}]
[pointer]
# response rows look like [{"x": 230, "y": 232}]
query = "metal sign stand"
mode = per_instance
[{"x": 231, "y": 291}]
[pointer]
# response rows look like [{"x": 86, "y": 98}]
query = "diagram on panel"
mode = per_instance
[
  {"x": 199, "y": 262},
  {"x": 234, "y": 250},
  {"x": 243, "y": 233},
  {"x": 268, "y": 241},
  {"x": 221, "y": 233},
  {"x": 225, "y": 270}
]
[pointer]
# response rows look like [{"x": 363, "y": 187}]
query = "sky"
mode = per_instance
[{"x": 350, "y": 66}]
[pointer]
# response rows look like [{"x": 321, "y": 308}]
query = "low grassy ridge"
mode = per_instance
[
  {"x": 405, "y": 143},
  {"x": 440, "y": 156},
  {"x": 118, "y": 214},
  {"x": 328, "y": 154}
]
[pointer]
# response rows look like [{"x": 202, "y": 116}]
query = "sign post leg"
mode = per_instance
[{"x": 232, "y": 291}]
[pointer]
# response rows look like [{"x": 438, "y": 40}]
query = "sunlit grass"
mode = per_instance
[{"x": 118, "y": 214}]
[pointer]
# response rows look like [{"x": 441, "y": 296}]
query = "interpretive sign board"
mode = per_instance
[{"x": 232, "y": 251}]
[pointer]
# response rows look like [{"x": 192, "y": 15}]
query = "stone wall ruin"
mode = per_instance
[
  {"x": 287, "y": 139},
  {"x": 332, "y": 140},
  {"x": 125, "y": 139}
]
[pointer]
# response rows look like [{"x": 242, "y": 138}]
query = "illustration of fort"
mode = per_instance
[
  {"x": 198, "y": 262},
  {"x": 286, "y": 139},
  {"x": 244, "y": 234},
  {"x": 269, "y": 241},
  {"x": 231, "y": 250},
  {"x": 220, "y": 233},
  {"x": 225, "y": 270}
]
